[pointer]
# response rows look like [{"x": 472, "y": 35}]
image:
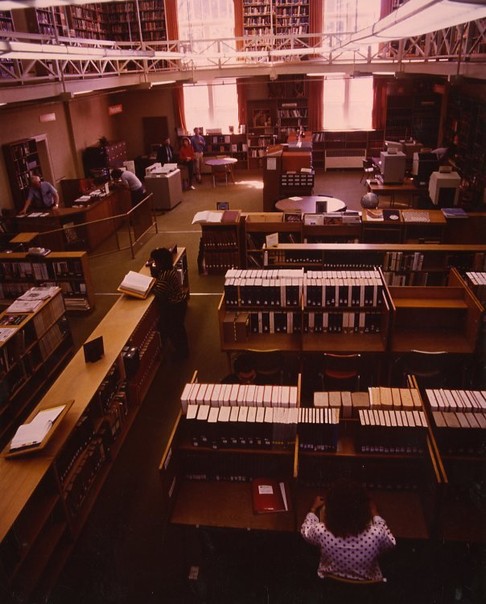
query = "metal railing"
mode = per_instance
[{"x": 124, "y": 231}]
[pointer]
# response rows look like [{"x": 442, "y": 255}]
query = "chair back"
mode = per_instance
[
  {"x": 429, "y": 367},
  {"x": 341, "y": 371}
]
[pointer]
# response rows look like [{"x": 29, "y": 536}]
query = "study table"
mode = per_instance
[
  {"x": 407, "y": 187},
  {"x": 222, "y": 166},
  {"x": 308, "y": 204}
]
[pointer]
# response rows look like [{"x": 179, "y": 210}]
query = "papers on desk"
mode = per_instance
[
  {"x": 33, "y": 433},
  {"x": 37, "y": 214},
  {"x": 295, "y": 198},
  {"x": 32, "y": 299}
]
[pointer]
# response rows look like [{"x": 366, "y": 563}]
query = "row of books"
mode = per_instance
[
  {"x": 221, "y": 238},
  {"x": 40, "y": 271},
  {"x": 392, "y": 431},
  {"x": 281, "y": 292},
  {"x": 477, "y": 282},
  {"x": 399, "y": 261},
  {"x": 49, "y": 313},
  {"x": 465, "y": 401},
  {"x": 52, "y": 338},
  {"x": 221, "y": 261},
  {"x": 318, "y": 429},
  {"x": 275, "y": 322},
  {"x": 376, "y": 398},
  {"x": 238, "y": 395}
]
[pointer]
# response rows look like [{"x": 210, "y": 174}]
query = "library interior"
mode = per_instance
[{"x": 326, "y": 264}]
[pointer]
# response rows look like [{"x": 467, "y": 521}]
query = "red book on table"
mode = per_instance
[{"x": 269, "y": 495}]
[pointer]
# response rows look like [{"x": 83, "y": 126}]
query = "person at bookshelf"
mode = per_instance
[
  {"x": 42, "y": 196},
  {"x": 351, "y": 536},
  {"x": 130, "y": 181},
  {"x": 172, "y": 302},
  {"x": 244, "y": 371},
  {"x": 166, "y": 153},
  {"x": 187, "y": 158},
  {"x": 198, "y": 144}
]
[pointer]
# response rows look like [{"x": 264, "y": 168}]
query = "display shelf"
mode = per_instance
[
  {"x": 68, "y": 270},
  {"x": 30, "y": 356}
]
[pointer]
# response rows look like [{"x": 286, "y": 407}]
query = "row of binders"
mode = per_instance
[
  {"x": 477, "y": 281},
  {"x": 376, "y": 398},
  {"x": 459, "y": 417},
  {"x": 288, "y": 287},
  {"x": 466, "y": 401},
  {"x": 342, "y": 322},
  {"x": 393, "y": 431},
  {"x": 262, "y": 427},
  {"x": 238, "y": 395}
]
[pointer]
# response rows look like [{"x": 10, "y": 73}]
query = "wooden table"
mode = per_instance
[
  {"x": 308, "y": 204},
  {"x": 408, "y": 187},
  {"x": 222, "y": 165}
]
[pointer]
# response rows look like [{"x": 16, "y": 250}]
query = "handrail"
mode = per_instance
[{"x": 133, "y": 238}]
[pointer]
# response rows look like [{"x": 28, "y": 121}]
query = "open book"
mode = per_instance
[
  {"x": 35, "y": 434},
  {"x": 136, "y": 284}
]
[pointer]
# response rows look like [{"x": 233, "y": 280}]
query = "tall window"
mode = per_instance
[
  {"x": 211, "y": 105},
  {"x": 348, "y": 102},
  {"x": 214, "y": 105}
]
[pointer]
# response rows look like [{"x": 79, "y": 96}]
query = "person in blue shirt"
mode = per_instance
[
  {"x": 198, "y": 144},
  {"x": 42, "y": 196}
]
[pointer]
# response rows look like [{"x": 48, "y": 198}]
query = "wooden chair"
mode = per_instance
[
  {"x": 429, "y": 367},
  {"x": 340, "y": 371},
  {"x": 368, "y": 169},
  {"x": 269, "y": 365}
]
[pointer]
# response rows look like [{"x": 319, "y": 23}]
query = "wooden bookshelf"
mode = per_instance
[
  {"x": 435, "y": 317},
  {"x": 68, "y": 270},
  {"x": 23, "y": 161},
  {"x": 219, "y": 246},
  {"x": 198, "y": 482},
  {"x": 460, "y": 451},
  {"x": 30, "y": 357},
  {"x": 48, "y": 497}
]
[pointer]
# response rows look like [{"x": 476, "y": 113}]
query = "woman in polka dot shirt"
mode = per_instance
[{"x": 352, "y": 535}]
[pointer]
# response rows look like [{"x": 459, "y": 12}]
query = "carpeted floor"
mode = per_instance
[{"x": 127, "y": 554}]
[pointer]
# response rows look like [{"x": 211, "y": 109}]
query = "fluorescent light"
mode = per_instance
[
  {"x": 417, "y": 17},
  {"x": 80, "y": 92},
  {"x": 161, "y": 83},
  {"x": 327, "y": 74}
]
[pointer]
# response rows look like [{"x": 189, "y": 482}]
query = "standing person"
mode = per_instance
[
  {"x": 172, "y": 301},
  {"x": 198, "y": 144},
  {"x": 165, "y": 153},
  {"x": 130, "y": 181},
  {"x": 187, "y": 157},
  {"x": 351, "y": 536},
  {"x": 42, "y": 195}
]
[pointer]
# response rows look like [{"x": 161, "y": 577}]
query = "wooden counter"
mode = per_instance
[{"x": 87, "y": 237}]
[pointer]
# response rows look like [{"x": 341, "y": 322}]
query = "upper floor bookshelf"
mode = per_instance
[
  {"x": 23, "y": 160},
  {"x": 277, "y": 17}
]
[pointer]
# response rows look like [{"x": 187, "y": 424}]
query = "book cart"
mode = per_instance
[{"x": 48, "y": 495}]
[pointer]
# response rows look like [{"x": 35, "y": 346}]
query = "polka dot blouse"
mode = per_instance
[{"x": 349, "y": 557}]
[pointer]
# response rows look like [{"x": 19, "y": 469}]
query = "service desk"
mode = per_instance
[{"x": 87, "y": 237}]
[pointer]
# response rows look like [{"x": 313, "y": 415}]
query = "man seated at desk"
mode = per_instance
[{"x": 42, "y": 196}]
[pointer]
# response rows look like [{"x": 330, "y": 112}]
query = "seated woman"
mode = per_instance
[{"x": 351, "y": 537}]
